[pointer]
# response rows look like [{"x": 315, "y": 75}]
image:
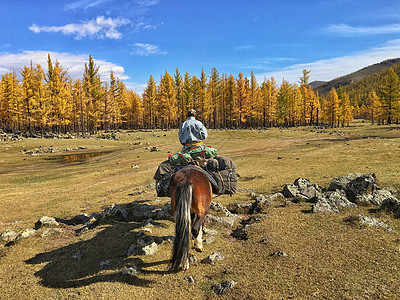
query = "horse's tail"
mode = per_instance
[{"x": 183, "y": 203}]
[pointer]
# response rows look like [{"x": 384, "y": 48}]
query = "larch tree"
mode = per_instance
[
  {"x": 167, "y": 101},
  {"x": 332, "y": 108},
  {"x": 283, "y": 106},
  {"x": 390, "y": 96},
  {"x": 241, "y": 99},
  {"x": 179, "y": 96},
  {"x": 149, "y": 103},
  {"x": 374, "y": 107},
  {"x": 269, "y": 91}
]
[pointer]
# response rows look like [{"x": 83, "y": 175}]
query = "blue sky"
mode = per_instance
[{"x": 137, "y": 38}]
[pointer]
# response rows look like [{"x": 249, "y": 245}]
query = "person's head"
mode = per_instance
[{"x": 191, "y": 113}]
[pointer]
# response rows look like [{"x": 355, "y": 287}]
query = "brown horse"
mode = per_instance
[{"x": 191, "y": 196}]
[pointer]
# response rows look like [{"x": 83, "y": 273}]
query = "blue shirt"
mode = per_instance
[{"x": 192, "y": 131}]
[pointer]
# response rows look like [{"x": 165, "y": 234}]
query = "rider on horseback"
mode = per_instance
[{"x": 192, "y": 132}]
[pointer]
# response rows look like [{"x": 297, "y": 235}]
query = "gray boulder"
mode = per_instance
[
  {"x": 290, "y": 191},
  {"x": 145, "y": 245},
  {"x": 46, "y": 222},
  {"x": 354, "y": 184},
  {"x": 213, "y": 258},
  {"x": 26, "y": 233},
  {"x": 114, "y": 212},
  {"x": 381, "y": 195},
  {"x": 332, "y": 202},
  {"x": 222, "y": 288},
  {"x": 8, "y": 235},
  {"x": 130, "y": 271},
  {"x": 391, "y": 205}
]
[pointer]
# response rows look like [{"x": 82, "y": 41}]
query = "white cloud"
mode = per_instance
[
  {"x": 345, "y": 29},
  {"x": 74, "y": 64},
  {"x": 135, "y": 86},
  {"x": 329, "y": 69},
  {"x": 146, "y": 50},
  {"x": 244, "y": 48},
  {"x": 83, "y": 4},
  {"x": 101, "y": 27}
]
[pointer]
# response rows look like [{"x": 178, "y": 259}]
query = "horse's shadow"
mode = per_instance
[{"x": 85, "y": 262}]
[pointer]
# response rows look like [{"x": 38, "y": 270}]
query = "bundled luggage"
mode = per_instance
[{"x": 221, "y": 170}]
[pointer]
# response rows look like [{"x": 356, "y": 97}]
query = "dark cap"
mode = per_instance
[{"x": 191, "y": 113}]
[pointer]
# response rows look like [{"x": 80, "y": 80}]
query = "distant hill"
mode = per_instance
[
  {"x": 354, "y": 77},
  {"x": 316, "y": 84}
]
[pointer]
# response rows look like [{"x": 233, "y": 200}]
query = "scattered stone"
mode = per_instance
[
  {"x": 290, "y": 191},
  {"x": 240, "y": 233},
  {"x": 229, "y": 221},
  {"x": 213, "y": 258},
  {"x": 26, "y": 233},
  {"x": 169, "y": 239},
  {"x": 192, "y": 258},
  {"x": 145, "y": 245},
  {"x": 141, "y": 212},
  {"x": 46, "y": 221},
  {"x": 105, "y": 264},
  {"x": 265, "y": 240},
  {"x": 222, "y": 288},
  {"x": 380, "y": 196},
  {"x": 130, "y": 271},
  {"x": 50, "y": 231},
  {"x": 332, "y": 201},
  {"x": 8, "y": 235},
  {"x": 151, "y": 186},
  {"x": 78, "y": 255},
  {"x": 154, "y": 149},
  {"x": 391, "y": 205},
  {"x": 371, "y": 221},
  {"x": 135, "y": 166},
  {"x": 209, "y": 231},
  {"x": 279, "y": 253},
  {"x": 209, "y": 240},
  {"x": 189, "y": 279},
  {"x": 115, "y": 212}
]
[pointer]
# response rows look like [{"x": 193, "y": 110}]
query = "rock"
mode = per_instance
[
  {"x": 222, "y": 288},
  {"x": 141, "y": 212},
  {"x": 381, "y": 195},
  {"x": 209, "y": 240},
  {"x": 192, "y": 258},
  {"x": 240, "y": 233},
  {"x": 391, "y": 205},
  {"x": 341, "y": 182},
  {"x": 105, "y": 264},
  {"x": 26, "y": 233},
  {"x": 50, "y": 231},
  {"x": 46, "y": 221},
  {"x": 265, "y": 240},
  {"x": 115, "y": 212},
  {"x": 213, "y": 258},
  {"x": 365, "y": 199},
  {"x": 145, "y": 245},
  {"x": 130, "y": 271},
  {"x": 371, "y": 221},
  {"x": 189, "y": 279},
  {"x": 354, "y": 184},
  {"x": 275, "y": 197},
  {"x": 332, "y": 201},
  {"x": 279, "y": 253},
  {"x": 78, "y": 255},
  {"x": 151, "y": 186},
  {"x": 209, "y": 231},
  {"x": 323, "y": 205},
  {"x": 221, "y": 220},
  {"x": 290, "y": 190},
  {"x": 219, "y": 207},
  {"x": 8, "y": 235},
  {"x": 135, "y": 166}
]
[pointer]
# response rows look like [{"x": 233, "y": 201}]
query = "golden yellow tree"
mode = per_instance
[{"x": 269, "y": 91}]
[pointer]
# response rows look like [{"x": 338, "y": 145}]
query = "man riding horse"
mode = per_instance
[{"x": 192, "y": 132}]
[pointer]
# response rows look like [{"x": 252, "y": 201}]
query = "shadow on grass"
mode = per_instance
[{"x": 79, "y": 264}]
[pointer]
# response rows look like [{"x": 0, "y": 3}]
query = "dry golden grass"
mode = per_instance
[{"x": 328, "y": 258}]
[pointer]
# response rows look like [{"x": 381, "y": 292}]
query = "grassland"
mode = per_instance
[{"x": 327, "y": 257}]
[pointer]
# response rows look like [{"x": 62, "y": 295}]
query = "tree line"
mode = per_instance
[{"x": 52, "y": 101}]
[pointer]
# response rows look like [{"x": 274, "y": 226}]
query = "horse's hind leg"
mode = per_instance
[
  {"x": 197, "y": 231},
  {"x": 198, "y": 241}
]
